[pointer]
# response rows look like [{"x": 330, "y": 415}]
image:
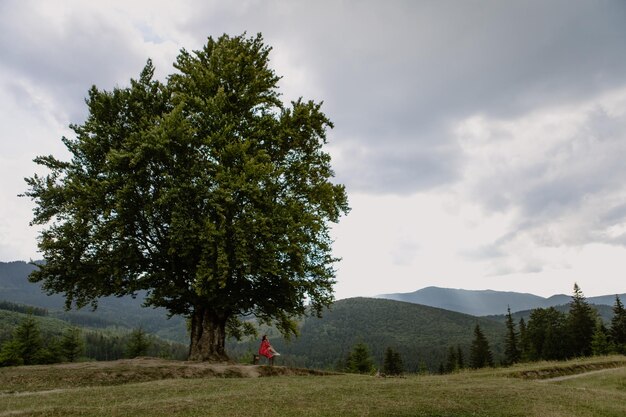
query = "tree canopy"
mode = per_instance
[{"x": 205, "y": 190}]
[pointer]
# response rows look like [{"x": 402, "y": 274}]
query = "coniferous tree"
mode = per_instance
[
  {"x": 523, "y": 341},
  {"x": 480, "y": 352},
  {"x": 546, "y": 335},
  {"x": 600, "y": 344},
  {"x": 27, "y": 346},
  {"x": 72, "y": 344},
  {"x": 511, "y": 342},
  {"x": 138, "y": 344},
  {"x": 581, "y": 324},
  {"x": 618, "y": 326},
  {"x": 452, "y": 361},
  {"x": 392, "y": 364},
  {"x": 29, "y": 338},
  {"x": 10, "y": 353},
  {"x": 359, "y": 360},
  {"x": 442, "y": 369},
  {"x": 460, "y": 358}
]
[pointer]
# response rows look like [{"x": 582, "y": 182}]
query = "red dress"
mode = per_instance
[{"x": 264, "y": 349}]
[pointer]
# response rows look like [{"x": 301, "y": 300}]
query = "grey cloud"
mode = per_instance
[
  {"x": 397, "y": 169},
  {"x": 398, "y": 72},
  {"x": 64, "y": 61},
  {"x": 393, "y": 71}
]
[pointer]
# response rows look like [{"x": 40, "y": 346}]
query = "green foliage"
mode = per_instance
[
  {"x": 555, "y": 335},
  {"x": 452, "y": 362},
  {"x": 600, "y": 344},
  {"x": 512, "y": 352},
  {"x": 27, "y": 346},
  {"x": 460, "y": 357},
  {"x": 524, "y": 341},
  {"x": 392, "y": 364},
  {"x": 581, "y": 323},
  {"x": 618, "y": 326},
  {"x": 546, "y": 335},
  {"x": 11, "y": 353},
  {"x": 72, "y": 345},
  {"x": 416, "y": 332},
  {"x": 359, "y": 360},
  {"x": 138, "y": 344},
  {"x": 64, "y": 342},
  {"x": 480, "y": 352},
  {"x": 21, "y": 308},
  {"x": 205, "y": 191}
]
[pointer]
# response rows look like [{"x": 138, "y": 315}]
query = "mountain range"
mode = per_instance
[
  {"x": 488, "y": 302},
  {"x": 111, "y": 312},
  {"x": 421, "y": 326}
]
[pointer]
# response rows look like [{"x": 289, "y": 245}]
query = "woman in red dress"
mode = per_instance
[{"x": 267, "y": 350}]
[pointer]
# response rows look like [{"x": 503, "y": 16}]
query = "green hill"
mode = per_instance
[
  {"x": 125, "y": 312},
  {"x": 100, "y": 343},
  {"x": 419, "y": 333}
]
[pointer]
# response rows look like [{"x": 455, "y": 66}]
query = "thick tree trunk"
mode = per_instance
[{"x": 208, "y": 336}]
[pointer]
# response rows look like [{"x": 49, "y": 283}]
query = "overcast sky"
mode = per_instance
[{"x": 482, "y": 143}]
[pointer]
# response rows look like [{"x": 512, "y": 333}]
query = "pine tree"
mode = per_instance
[
  {"x": 547, "y": 335},
  {"x": 511, "y": 343},
  {"x": 10, "y": 353},
  {"x": 480, "y": 353},
  {"x": 600, "y": 344},
  {"x": 138, "y": 344},
  {"x": 452, "y": 361},
  {"x": 392, "y": 364},
  {"x": 523, "y": 341},
  {"x": 618, "y": 326},
  {"x": 359, "y": 361},
  {"x": 29, "y": 338},
  {"x": 459, "y": 357},
  {"x": 72, "y": 345},
  {"x": 581, "y": 324},
  {"x": 26, "y": 347}
]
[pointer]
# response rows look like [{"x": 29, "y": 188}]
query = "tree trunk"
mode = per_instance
[{"x": 208, "y": 336}]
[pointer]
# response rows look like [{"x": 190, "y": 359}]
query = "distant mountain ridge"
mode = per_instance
[{"x": 487, "y": 302}]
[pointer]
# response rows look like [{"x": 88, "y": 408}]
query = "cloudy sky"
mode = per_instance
[{"x": 482, "y": 143}]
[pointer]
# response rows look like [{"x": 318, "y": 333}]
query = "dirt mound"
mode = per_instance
[
  {"x": 561, "y": 370},
  {"x": 133, "y": 370}
]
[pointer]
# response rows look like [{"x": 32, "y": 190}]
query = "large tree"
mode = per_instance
[{"x": 206, "y": 191}]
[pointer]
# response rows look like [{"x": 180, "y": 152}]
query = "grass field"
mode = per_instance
[{"x": 180, "y": 389}]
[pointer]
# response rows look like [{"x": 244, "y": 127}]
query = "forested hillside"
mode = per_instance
[
  {"x": 125, "y": 312},
  {"x": 605, "y": 312},
  {"x": 97, "y": 343},
  {"x": 421, "y": 334}
]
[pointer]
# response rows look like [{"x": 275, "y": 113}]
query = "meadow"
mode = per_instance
[{"x": 167, "y": 388}]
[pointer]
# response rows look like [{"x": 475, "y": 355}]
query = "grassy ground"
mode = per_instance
[{"x": 58, "y": 391}]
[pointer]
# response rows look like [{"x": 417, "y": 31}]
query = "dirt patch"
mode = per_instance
[
  {"x": 558, "y": 371},
  {"x": 566, "y": 377},
  {"x": 48, "y": 377}
]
